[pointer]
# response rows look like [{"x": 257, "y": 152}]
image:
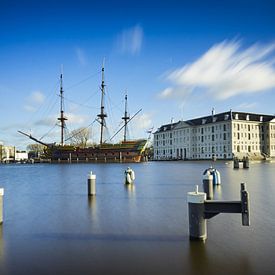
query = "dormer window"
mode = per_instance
[
  {"x": 214, "y": 119},
  {"x": 236, "y": 116},
  {"x": 226, "y": 117},
  {"x": 247, "y": 117},
  {"x": 203, "y": 121},
  {"x": 261, "y": 118}
]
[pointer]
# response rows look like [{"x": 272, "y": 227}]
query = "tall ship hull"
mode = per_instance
[{"x": 129, "y": 151}]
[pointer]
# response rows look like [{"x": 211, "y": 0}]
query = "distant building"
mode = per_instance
[
  {"x": 222, "y": 135},
  {"x": 7, "y": 153},
  {"x": 21, "y": 156}
]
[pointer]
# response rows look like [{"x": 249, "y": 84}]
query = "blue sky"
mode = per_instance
[{"x": 175, "y": 59}]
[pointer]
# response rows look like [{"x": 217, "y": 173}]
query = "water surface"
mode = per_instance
[{"x": 52, "y": 227}]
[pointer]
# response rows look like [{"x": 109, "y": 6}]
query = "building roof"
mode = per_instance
[
  {"x": 167, "y": 127},
  {"x": 225, "y": 116}
]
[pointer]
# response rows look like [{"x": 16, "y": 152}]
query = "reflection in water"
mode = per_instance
[
  {"x": 131, "y": 189},
  {"x": 197, "y": 257},
  {"x": 143, "y": 227},
  {"x": 204, "y": 259},
  {"x": 2, "y": 260},
  {"x": 217, "y": 192},
  {"x": 93, "y": 207}
]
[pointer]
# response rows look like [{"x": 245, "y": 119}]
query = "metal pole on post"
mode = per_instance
[
  {"x": 208, "y": 184},
  {"x": 91, "y": 184},
  {"x": 197, "y": 222},
  {"x": 245, "y": 206},
  {"x": 236, "y": 163}
]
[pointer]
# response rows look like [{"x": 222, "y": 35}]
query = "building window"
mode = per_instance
[
  {"x": 224, "y": 127},
  {"x": 213, "y": 137},
  {"x": 213, "y": 129},
  {"x": 238, "y": 127},
  {"x": 224, "y": 136}
]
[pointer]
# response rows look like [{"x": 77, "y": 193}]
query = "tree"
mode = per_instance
[
  {"x": 35, "y": 149},
  {"x": 80, "y": 137}
]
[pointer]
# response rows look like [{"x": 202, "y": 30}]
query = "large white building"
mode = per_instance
[{"x": 224, "y": 135}]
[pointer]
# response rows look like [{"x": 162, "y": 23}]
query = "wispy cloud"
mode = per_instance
[
  {"x": 49, "y": 121},
  {"x": 130, "y": 40},
  {"x": 73, "y": 119},
  {"x": 77, "y": 119},
  {"x": 143, "y": 122},
  {"x": 246, "y": 105},
  {"x": 34, "y": 101},
  {"x": 81, "y": 56},
  {"x": 224, "y": 71}
]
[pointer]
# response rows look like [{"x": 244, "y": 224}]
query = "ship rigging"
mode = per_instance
[{"x": 125, "y": 151}]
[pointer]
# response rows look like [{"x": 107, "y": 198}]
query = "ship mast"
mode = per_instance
[
  {"x": 62, "y": 118},
  {"x": 125, "y": 118},
  {"x": 102, "y": 114}
]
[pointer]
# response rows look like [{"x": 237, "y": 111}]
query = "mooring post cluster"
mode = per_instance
[
  {"x": 200, "y": 208},
  {"x": 245, "y": 161},
  {"x": 1, "y": 204}
]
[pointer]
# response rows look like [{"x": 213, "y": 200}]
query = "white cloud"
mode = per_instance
[
  {"x": 81, "y": 56},
  {"x": 226, "y": 70},
  {"x": 77, "y": 119},
  {"x": 246, "y": 105},
  {"x": 176, "y": 92},
  {"x": 48, "y": 121},
  {"x": 130, "y": 40},
  {"x": 73, "y": 119},
  {"x": 142, "y": 122},
  {"x": 34, "y": 101}
]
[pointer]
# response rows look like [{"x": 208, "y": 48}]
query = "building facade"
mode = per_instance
[
  {"x": 7, "y": 153},
  {"x": 223, "y": 136}
]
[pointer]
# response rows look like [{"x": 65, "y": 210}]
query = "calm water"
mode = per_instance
[{"x": 51, "y": 227}]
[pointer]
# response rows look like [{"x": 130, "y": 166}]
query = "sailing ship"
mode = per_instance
[{"x": 124, "y": 151}]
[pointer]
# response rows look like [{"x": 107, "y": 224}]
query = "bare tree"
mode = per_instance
[
  {"x": 80, "y": 137},
  {"x": 36, "y": 149}
]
